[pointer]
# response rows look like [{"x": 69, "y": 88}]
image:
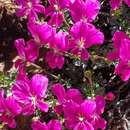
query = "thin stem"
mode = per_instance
[
  {"x": 39, "y": 67},
  {"x": 66, "y": 23},
  {"x": 88, "y": 77}
]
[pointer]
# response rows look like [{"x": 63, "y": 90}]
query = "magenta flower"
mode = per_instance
[
  {"x": 59, "y": 45},
  {"x": 64, "y": 97},
  {"x": 30, "y": 94},
  {"x": 41, "y": 32},
  {"x": 121, "y": 52},
  {"x": 89, "y": 11},
  {"x": 77, "y": 116},
  {"x": 123, "y": 67},
  {"x": 116, "y": 3},
  {"x": 85, "y": 116},
  {"x": 9, "y": 109},
  {"x": 29, "y": 7},
  {"x": 84, "y": 35},
  {"x": 28, "y": 51},
  {"x": 52, "y": 125},
  {"x": 117, "y": 39},
  {"x": 110, "y": 96}
]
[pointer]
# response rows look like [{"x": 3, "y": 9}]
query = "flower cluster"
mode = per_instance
[
  {"x": 29, "y": 8},
  {"x": 78, "y": 37},
  {"x": 9, "y": 109},
  {"x": 79, "y": 114},
  {"x": 30, "y": 93},
  {"x": 60, "y": 38},
  {"x": 121, "y": 52},
  {"x": 63, "y": 28},
  {"x": 27, "y": 96}
]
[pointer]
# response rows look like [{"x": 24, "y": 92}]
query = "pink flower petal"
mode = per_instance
[
  {"x": 37, "y": 125},
  {"x": 124, "y": 50},
  {"x": 99, "y": 123},
  {"x": 11, "y": 123},
  {"x": 39, "y": 85},
  {"x": 75, "y": 95},
  {"x": 54, "y": 125},
  {"x": 100, "y": 104},
  {"x": 20, "y": 43},
  {"x": 42, "y": 106},
  {"x": 84, "y": 54},
  {"x": 89, "y": 11},
  {"x": 88, "y": 108},
  {"x": 59, "y": 61},
  {"x": 84, "y": 126},
  {"x": 59, "y": 91},
  {"x": 115, "y": 4},
  {"x": 39, "y": 8},
  {"x": 32, "y": 50}
]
